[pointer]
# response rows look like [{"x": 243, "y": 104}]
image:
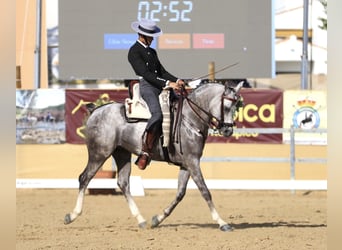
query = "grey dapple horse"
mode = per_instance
[{"x": 109, "y": 134}]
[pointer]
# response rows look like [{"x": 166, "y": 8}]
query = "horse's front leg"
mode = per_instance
[
  {"x": 197, "y": 176},
  {"x": 123, "y": 162},
  {"x": 183, "y": 178}
]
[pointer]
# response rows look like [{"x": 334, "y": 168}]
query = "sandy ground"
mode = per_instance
[{"x": 262, "y": 220}]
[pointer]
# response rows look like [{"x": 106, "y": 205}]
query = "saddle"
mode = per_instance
[{"x": 136, "y": 109}]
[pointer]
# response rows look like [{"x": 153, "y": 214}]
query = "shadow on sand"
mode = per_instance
[{"x": 246, "y": 225}]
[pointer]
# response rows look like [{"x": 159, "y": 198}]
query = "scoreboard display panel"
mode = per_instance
[{"x": 95, "y": 36}]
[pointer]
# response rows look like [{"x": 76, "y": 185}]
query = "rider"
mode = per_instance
[{"x": 153, "y": 79}]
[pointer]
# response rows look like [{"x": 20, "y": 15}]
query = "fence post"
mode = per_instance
[
  {"x": 292, "y": 155},
  {"x": 211, "y": 70},
  {"x": 18, "y": 77}
]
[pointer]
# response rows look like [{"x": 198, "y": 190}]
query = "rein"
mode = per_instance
[{"x": 214, "y": 122}]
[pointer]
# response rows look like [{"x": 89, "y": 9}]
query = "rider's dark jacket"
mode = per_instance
[{"x": 146, "y": 64}]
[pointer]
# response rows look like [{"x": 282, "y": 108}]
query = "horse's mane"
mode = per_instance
[{"x": 202, "y": 87}]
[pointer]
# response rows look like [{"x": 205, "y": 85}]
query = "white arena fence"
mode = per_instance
[{"x": 138, "y": 184}]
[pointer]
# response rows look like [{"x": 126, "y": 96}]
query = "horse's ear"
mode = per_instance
[
  {"x": 238, "y": 86},
  {"x": 227, "y": 86}
]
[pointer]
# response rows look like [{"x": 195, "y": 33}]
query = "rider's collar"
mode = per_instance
[{"x": 145, "y": 46}]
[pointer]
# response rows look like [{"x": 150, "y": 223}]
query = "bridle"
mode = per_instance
[{"x": 213, "y": 122}]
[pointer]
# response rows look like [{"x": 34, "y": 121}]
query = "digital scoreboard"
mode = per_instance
[
  {"x": 169, "y": 11},
  {"x": 95, "y": 36}
]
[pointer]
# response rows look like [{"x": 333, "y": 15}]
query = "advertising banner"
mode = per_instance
[
  {"x": 263, "y": 108},
  {"x": 306, "y": 110},
  {"x": 40, "y": 116},
  {"x": 76, "y": 112},
  {"x": 58, "y": 116}
]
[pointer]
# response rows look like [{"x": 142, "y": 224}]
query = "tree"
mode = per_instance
[{"x": 26, "y": 98}]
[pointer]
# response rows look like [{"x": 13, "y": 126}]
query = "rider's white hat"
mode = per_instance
[{"x": 147, "y": 27}]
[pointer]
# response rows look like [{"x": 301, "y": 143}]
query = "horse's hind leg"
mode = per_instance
[
  {"x": 123, "y": 161},
  {"x": 85, "y": 177},
  {"x": 183, "y": 178}
]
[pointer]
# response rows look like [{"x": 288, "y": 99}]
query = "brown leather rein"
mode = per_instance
[{"x": 214, "y": 122}]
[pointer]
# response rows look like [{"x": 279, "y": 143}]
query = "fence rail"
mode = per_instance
[
  {"x": 138, "y": 185},
  {"x": 292, "y": 159}
]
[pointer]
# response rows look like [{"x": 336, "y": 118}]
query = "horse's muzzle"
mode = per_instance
[{"x": 226, "y": 129}]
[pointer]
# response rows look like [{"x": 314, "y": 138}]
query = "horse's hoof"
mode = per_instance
[
  {"x": 226, "y": 228},
  {"x": 142, "y": 225},
  {"x": 67, "y": 219},
  {"x": 155, "y": 221}
]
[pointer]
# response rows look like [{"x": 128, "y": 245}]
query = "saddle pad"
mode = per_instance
[
  {"x": 164, "y": 100},
  {"x": 137, "y": 109}
]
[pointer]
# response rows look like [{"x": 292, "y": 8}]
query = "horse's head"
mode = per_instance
[
  {"x": 216, "y": 103},
  {"x": 229, "y": 102}
]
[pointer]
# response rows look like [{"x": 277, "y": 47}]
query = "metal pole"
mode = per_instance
[
  {"x": 292, "y": 155},
  {"x": 304, "y": 70},
  {"x": 38, "y": 43}
]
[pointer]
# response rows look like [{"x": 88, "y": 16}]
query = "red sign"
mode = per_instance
[
  {"x": 262, "y": 109},
  {"x": 208, "y": 41},
  {"x": 76, "y": 112}
]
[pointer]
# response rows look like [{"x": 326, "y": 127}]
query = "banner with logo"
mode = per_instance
[
  {"x": 306, "y": 110},
  {"x": 58, "y": 116},
  {"x": 76, "y": 112},
  {"x": 40, "y": 116},
  {"x": 263, "y": 108}
]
